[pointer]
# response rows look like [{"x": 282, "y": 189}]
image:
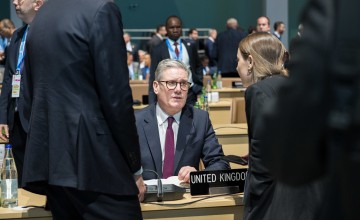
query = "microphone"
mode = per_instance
[{"x": 160, "y": 193}]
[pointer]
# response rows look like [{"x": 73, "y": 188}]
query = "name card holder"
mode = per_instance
[{"x": 217, "y": 182}]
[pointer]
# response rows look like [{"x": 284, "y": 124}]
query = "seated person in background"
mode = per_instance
[
  {"x": 174, "y": 136},
  {"x": 145, "y": 71},
  {"x": 133, "y": 66},
  {"x": 141, "y": 55},
  {"x": 205, "y": 65}
]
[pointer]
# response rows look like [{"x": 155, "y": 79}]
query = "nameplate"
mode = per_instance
[
  {"x": 237, "y": 84},
  {"x": 217, "y": 181}
]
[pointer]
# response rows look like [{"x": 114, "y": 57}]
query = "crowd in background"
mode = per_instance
[{"x": 216, "y": 51}]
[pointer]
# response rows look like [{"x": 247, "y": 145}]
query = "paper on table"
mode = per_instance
[{"x": 170, "y": 180}]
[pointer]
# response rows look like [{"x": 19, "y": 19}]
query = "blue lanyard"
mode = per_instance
[
  {"x": 172, "y": 51},
  {"x": 21, "y": 51}
]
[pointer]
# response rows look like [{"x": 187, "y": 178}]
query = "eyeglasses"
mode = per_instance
[{"x": 171, "y": 85}]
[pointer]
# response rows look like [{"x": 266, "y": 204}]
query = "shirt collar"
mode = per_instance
[
  {"x": 161, "y": 116},
  {"x": 172, "y": 42}
]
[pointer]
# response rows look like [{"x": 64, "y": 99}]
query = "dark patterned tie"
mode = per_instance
[
  {"x": 169, "y": 150},
  {"x": 176, "y": 49}
]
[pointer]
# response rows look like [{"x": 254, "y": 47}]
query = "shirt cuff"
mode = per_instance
[{"x": 139, "y": 172}]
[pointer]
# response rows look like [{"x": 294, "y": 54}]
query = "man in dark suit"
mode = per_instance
[
  {"x": 194, "y": 39},
  {"x": 209, "y": 46},
  {"x": 14, "y": 111},
  {"x": 225, "y": 48},
  {"x": 157, "y": 38},
  {"x": 183, "y": 51},
  {"x": 82, "y": 140},
  {"x": 191, "y": 136},
  {"x": 322, "y": 132}
]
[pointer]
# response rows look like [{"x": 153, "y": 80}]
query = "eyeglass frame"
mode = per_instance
[{"x": 176, "y": 83}]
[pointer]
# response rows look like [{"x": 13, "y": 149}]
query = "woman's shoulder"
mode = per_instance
[{"x": 270, "y": 84}]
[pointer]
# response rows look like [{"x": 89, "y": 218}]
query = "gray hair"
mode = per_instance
[
  {"x": 232, "y": 23},
  {"x": 169, "y": 64}
]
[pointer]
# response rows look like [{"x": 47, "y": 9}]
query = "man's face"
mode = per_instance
[
  {"x": 263, "y": 25},
  {"x": 130, "y": 58},
  {"x": 126, "y": 38},
  {"x": 281, "y": 28},
  {"x": 162, "y": 31},
  {"x": 194, "y": 35},
  {"x": 25, "y": 8},
  {"x": 174, "y": 29},
  {"x": 141, "y": 55},
  {"x": 171, "y": 101},
  {"x": 147, "y": 60},
  {"x": 213, "y": 34}
]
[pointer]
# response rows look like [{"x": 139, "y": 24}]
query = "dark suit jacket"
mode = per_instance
[
  {"x": 322, "y": 131},
  {"x": 209, "y": 50},
  {"x": 225, "y": 50},
  {"x": 161, "y": 52},
  {"x": 260, "y": 186},
  {"x": 7, "y": 104},
  {"x": 82, "y": 129},
  {"x": 152, "y": 43},
  {"x": 196, "y": 140}
]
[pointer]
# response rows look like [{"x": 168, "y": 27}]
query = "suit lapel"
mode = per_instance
[
  {"x": 165, "y": 51},
  {"x": 188, "y": 49},
  {"x": 152, "y": 135},
  {"x": 184, "y": 134}
]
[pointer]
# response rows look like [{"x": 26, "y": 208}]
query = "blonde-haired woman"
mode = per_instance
[{"x": 261, "y": 59}]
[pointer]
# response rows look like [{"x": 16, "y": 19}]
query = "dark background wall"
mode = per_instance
[
  {"x": 4, "y": 9},
  {"x": 295, "y": 10},
  {"x": 195, "y": 13}
]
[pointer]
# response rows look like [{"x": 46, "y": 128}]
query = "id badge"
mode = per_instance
[{"x": 16, "y": 79}]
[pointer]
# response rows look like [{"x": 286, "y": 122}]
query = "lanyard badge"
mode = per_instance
[{"x": 16, "y": 78}]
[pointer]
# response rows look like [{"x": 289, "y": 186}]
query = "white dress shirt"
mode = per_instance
[
  {"x": 162, "y": 117},
  {"x": 185, "y": 56}
]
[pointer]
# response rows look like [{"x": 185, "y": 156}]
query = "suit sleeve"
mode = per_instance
[
  {"x": 5, "y": 97},
  {"x": 212, "y": 150},
  {"x": 255, "y": 102},
  {"x": 112, "y": 78}
]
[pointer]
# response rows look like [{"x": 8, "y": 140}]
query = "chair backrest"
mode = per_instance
[
  {"x": 138, "y": 90},
  {"x": 238, "y": 110}
]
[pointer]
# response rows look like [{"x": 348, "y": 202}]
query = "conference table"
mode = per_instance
[
  {"x": 224, "y": 207},
  {"x": 231, "y": 133},
  {"x": 227, "y": 92}
]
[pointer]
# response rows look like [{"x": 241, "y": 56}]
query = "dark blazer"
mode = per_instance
[
  {"x": 82, "y": 130},
  {"x": 260, "y": 186},
  {"x": 225, "y": 49},
  {"x": 161, "y": 52},
  {"x": 152, "y": 43},
  {"x": 7, "y": 104},
  {"x": 209, "y": 48},
  {"x": 196, "y": 140},
  {"x": 322, "y": 131}
]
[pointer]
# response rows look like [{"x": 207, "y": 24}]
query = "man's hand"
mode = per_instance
[
  {"x": 141, "y": 186},
  {"x": 4, "y": 132},
  {"x": 184, "y": 173}
]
